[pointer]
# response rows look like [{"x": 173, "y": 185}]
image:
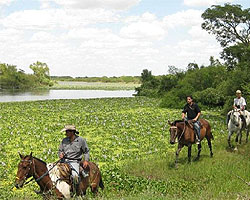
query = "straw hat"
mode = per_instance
[
  {"x": 69, "y": 128},
  {"x": 238, "y": 92}
]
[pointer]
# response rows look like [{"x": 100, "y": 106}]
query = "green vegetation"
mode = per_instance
[
  {"x": 104, "y": 79},
  {"x": 129, "y": 140},
  {"x": 12, "y": 78},
  {"x": 94, "y": 85},
  {"x": 213, "y": 85}
]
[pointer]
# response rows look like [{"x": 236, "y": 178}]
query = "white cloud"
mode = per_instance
[
  {"x": 48, "y": 19},
  {"x": 93, "y": 4},
  {"x": 183, "y": 18},
  {"x": 5, "y": 2},
  {"x": 145, "y": 27},
  {"x": 205, "y": 3}
]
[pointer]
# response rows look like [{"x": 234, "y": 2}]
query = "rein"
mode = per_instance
[
  {"x": 182, "y": 132},
  {"x": 45, "y": 174}
]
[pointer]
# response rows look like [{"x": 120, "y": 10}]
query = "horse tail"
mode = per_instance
[{"x": 101, "y": 183}]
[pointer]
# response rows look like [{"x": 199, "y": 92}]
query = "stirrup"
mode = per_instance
[{"x": 198, "y": 141}]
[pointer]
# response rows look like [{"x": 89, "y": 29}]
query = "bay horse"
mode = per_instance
[
  {"x": 235, "y": 124},
  {"x": 45, "y": 176},
  {"x": 183, "y": 132}
]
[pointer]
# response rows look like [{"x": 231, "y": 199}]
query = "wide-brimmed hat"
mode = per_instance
[
  {"x": 238, "y": 92},
  {"x": 69, "y": 128}
]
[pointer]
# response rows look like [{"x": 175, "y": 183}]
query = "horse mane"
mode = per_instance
[
  {"x": 40, "y": 160},
  {"x": 176, "y": 121}
]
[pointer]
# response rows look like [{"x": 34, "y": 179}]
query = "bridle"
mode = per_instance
[
  {"x": 34, "y": 174},
  {"x": 176, "y": 131},
  {"x": 232, "y": 118}
]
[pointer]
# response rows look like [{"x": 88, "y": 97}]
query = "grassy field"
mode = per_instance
[
  {"x": 130, "y": 142},
  {"x": 94, "y": 85}
]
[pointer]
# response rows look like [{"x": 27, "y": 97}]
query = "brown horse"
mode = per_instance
[
  {"x": 183, "y": 132},
  {"x": 31, "y": 166},
  {"x": 62, "y": 173}
]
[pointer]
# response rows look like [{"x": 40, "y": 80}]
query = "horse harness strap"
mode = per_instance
[
  {"x": 182, "y": 132},
  {"x": 45, "y": 174}
]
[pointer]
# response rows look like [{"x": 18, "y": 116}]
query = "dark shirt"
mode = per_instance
[{"x": 191, "y": 111}]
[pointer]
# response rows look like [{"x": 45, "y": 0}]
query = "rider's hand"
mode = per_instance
[
  {"x": 194, "y": 120},
  {"x": 85, "y": 164},
  {"x": 61, "y": 155}
]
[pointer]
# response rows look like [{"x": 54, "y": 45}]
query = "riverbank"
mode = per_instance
[{"x": 79, "y": 85}]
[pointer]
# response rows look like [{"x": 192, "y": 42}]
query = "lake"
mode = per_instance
[{"x": 10, "y": 96}]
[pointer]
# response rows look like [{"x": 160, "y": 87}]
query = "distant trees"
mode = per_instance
[{"x": 13, "y": 78}]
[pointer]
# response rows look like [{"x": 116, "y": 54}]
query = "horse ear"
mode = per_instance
[
  {"x": 21, "y": 156},
  {"x": 169, "y": 123},
  {"x": 30, "y": 154}
]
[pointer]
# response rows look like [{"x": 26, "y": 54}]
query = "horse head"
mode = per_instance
[
  {"x": 235, "y": 117},
  {"x": 174, "y": 131},
  {"x": 24, "y": 170}
]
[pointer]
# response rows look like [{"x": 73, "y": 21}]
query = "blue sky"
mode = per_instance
[{"x": 106, "y": 37}]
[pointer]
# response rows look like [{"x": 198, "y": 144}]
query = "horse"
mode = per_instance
[
  {"x": 235, "y": 123},
  {"x": 30, "y": 166},
  {"x": 183, "y": 132},
  {"x": 50, "y": 180}
]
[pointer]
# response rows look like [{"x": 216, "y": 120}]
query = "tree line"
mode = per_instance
[
  {"x": 213, "y": 85},
  {"x": 13, "y": 78}
]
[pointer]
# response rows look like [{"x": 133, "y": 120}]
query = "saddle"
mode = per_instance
[
  {"x": 65, "y": 171},
  {"x": 191, "y": 124}
]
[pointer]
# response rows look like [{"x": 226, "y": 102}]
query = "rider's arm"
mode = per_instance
[
  {"x": 183, "y": 115},
  {"x": 60, "y": 151},
  {"x": 85, "y": 150},
  {"x": 197, "y": 116}
]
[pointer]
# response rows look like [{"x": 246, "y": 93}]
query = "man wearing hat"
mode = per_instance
[
  {"x": 71, "y": 150},
  {"x": 240, "y": 103}
]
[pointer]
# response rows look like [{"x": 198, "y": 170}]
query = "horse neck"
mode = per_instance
[
  {"x": 180, "y": 127},
  {"x": 40, "y": 168}
]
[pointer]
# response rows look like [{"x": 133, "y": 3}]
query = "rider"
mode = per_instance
[
  {"x": 193, "y": 113},
  {"x": 240, "y": 103},
  {"x": 71, "y": 150}
]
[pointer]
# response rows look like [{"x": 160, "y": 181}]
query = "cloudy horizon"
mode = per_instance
[{"x": 106, "y": 38}]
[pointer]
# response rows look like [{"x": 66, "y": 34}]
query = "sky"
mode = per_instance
[{"x": 106, "y": 37}]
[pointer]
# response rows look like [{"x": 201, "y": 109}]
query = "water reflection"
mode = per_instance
[{"x": 9, "y": 96}]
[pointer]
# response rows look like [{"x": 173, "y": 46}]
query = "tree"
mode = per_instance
[
  {"x": 230, "y": 24},
  {"x": 41, "y": 71}
]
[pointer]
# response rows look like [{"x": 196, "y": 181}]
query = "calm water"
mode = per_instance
[{"x": 62, "y": 94}]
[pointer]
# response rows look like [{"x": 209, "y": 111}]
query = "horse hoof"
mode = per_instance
[
  {"x": 235, "y": 149},
  {"x": 211, "y": 155}
]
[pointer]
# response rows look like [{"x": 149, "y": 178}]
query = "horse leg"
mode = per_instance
[
  {"x": 177, "y": 153},
  {"x": 240, "y": 133},
  {"x": 199, "y": 152},
  {"x": 210, "y": 147},
  {"x": 189, "y": 153},
  {"x": 229, "y": 138}
]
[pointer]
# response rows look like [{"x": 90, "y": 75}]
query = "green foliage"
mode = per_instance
[
  {"x": 129, "y": 140},
  {"x": 210, "y": 97},
  {"x": 12, "y": 78},
  {"x": 104, "y": 79},
  {"x": 41, "y": 72},
  {"x": 229, "y": 23},
  {"x": 148, "y": 86}
]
